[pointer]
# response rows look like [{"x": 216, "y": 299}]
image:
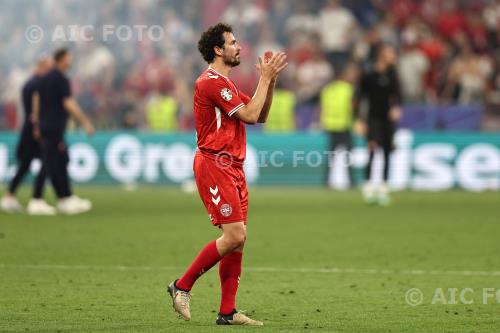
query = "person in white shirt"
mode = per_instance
[{"x": 337, "y": 30}]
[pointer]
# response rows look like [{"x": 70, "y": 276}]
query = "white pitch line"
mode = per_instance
[{"x": 332, "y": 270}]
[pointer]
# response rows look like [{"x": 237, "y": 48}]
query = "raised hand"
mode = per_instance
[{"x": 270, "y": 65}]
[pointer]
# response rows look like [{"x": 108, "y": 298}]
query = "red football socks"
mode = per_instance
[
  {"x": 205, "y": 260},
  {"x": 229, "y": 273}
]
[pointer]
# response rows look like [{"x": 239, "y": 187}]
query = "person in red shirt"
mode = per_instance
[{"x": 221, "y": 111}]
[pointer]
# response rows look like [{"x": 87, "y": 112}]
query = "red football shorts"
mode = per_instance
[{"x": 222, "y": 188}]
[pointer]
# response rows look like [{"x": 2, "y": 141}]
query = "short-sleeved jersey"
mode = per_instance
[
  {"x": 53, "y": 87},
  {"x": 218, "y": 131}
]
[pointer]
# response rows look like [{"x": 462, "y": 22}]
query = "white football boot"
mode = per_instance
[
  {"x": 237, "y": 318},
  {"x": 10, "y": 204},
  {"x": 383, "y": 197},
  {"x": 40, "y": 207},
  {"x": 73, "y": 205},
  {"x": 180, "y": 301},
  {"x": 369, "y": 194}
]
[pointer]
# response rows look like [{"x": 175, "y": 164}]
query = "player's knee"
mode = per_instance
[
  {"x": 235, "y": 235},
  {"x": 238, "y": 239}
]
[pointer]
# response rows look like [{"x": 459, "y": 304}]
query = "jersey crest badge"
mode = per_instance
[{"x": 226, "y": 94}]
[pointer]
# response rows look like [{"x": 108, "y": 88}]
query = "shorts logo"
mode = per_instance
[
  {"x": 215, "y": 197},
  {"x": 226, "y": 94},
  {"x": 226, "y": 210}
]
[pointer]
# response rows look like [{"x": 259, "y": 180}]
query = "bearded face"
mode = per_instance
[
  {"x": 231, "y": 60},
  {"x": 231, "y": 50}
]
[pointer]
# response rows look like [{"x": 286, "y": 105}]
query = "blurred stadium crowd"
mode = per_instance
[{"x": 449, "y": 53}]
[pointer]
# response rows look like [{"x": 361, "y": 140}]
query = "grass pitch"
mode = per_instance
[{"x": 315, "y": 261}]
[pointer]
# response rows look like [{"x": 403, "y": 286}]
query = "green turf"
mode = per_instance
[{"x": 106, "y": 271}]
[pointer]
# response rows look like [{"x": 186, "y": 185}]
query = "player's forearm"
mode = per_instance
[
  {"x": 252, "y": 110},
  {"x": 267, "y": 104}
]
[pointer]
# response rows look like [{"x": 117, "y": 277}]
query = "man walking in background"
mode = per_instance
[
  {"x": 380, "y": 88},
  {"x": 336, "y": 101},
  {"x": 28, "y": 149},
  {"x": 56, "y": 105}
]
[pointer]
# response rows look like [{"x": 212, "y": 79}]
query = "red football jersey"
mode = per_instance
[{"x": 216, "y": 99}]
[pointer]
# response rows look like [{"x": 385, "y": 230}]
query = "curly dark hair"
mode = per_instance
[{"x": 212, "y": 37}]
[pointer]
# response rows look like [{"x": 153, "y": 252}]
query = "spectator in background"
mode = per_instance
[
  {"x": 95, "y": 63},
  {"x": 412, "y": 68},
  {"x": 280, "y": 12},
  {"x": 402, "y": 10},
  {"x": 179, "y": 35},
  {"x": 336, "y": 115},
  {"x": 491, "y": 17},
  {"x": 365, "y": 11},
  {"x": 491, "y": 120},
  {"x": 310, "y": 77},
  {"x": 302, "y": 21},
  {"x": 281, "y": 118},
  {"x": 337, "y": 30},
  {"x": 476, "y": 31},
  {"x": 388, "y": 30},
  {"x": 466, "y": 79},
  {"x": 437, "y": 51},
  {"x": 161, "y": 113},
  {"x": 247, "y": 15},
  {"x": 451, "y": 21}
]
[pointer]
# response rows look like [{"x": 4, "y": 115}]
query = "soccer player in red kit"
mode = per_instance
[{"x": 221, "y": 111}]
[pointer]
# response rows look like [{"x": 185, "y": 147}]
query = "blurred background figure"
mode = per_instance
[
  {"x": 412, "y": 68},
  {"x": 337, "y": 99},
  {"x": 57, "y": 104},
  {"x": 161, "y": 113},
  {"x": 466, "y": 79},
  {"x": 28, "y": 149},
  {"x": 281, "y": 117},
  {"x": 338, "y": 30},
  {"x": 380, "y": 87}
]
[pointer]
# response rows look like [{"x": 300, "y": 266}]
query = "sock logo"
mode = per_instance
[{"x": 215, "y": 197}]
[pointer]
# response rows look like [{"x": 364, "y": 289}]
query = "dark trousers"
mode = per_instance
[
  {"x": 381, "y": 133},
  {"x": 341, "y": 142},
  {"x": 55, "y": 159},
  {"x": 23, "y": 168},
  {"x": 27, "y": 150},
  {"x": 387, "y": 160}
]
